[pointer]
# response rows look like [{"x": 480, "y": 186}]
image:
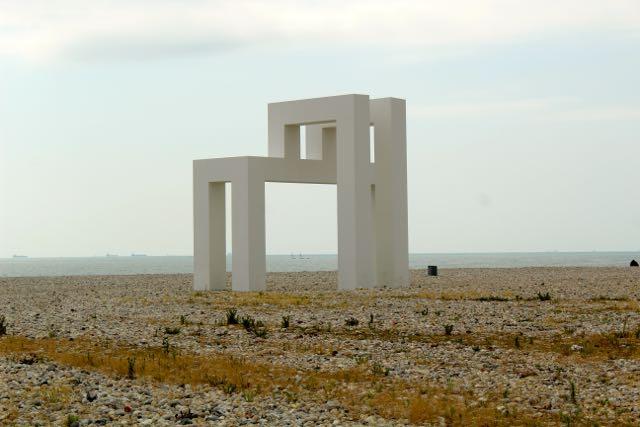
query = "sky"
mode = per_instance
[{"x": 523, "y": 118}]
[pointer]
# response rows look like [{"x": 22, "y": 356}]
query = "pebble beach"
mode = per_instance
[{"x": 519, "y": 346}]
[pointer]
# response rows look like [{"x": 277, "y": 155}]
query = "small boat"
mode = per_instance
[
  {"x": 20, "y": 256},
  {"x": 138, "y": 254},
  {"x": 111, "y": 255}
]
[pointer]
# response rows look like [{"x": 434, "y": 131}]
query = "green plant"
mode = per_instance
[
  {"x": 171, "y": 330},
  {"x": 491, "y": 298},
  {"x": 72, "y": 421},
  {"x": 286, "y": 321},
  {"x": 448, "y": 329},
  {"x": 380, "y": 370},
  {"x": 623, "y": 333},
  {"x": 3, "y": 326},
  {"x": 232, "y": 316},
  {"x": 90, "y": 360},
  {"x": 248, "y": 395},
  {"x": 572, "y": 393},
  {"x": 184, "y": 320},
  {"x": 248, "y": 323},
  {"x": 505, "y": 392},
  {"x": 30, "y": 359},
  {"x": 165, "y": 345},
  {"x": 259, "y": 330},
  {"x": 352, "y": 321},
  {"x": 131, "y": 367},
  {"x": 361, "y": 359},
  {"x": 544, "y": 297},
  {"x": 566, "y": 419},
  {"x": 290, "y": 396},
  {"x": 255, "y": 327},
  {"x": 424, "y": 311},
  {"x": 185, "y": 415}
]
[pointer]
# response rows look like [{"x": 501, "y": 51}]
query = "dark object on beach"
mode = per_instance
[
  {"x": 633, "y": 263},
  {"x": 432, "y": 270}
]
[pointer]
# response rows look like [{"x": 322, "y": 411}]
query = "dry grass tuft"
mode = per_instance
[{"x": 358, "y": 389}]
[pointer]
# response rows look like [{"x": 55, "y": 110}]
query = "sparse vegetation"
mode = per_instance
[
  {"x": 530, "y": 353},
  {"x": 448, "y": 329},
  {"x": 3, "y": 326}
]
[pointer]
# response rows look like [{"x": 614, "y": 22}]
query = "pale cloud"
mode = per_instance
[
  {"x": 45, "y": 29},
  {"x": 549, "y": 108}
]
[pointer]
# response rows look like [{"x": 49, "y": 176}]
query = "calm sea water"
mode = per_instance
[{"x": 13, "y": 267}]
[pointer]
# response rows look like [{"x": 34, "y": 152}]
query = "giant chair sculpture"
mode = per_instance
[{"x": 372, "y": 197}]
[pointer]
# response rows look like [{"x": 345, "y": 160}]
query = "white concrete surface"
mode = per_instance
[{"x": 372, "y": 197}]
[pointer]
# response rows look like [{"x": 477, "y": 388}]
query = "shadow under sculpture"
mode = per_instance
[{"x": 372, "y": 196}]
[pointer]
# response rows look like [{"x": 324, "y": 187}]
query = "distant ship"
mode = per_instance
[
  {"x": 112, "y": 255},
  {"x": 138, "y": 254},
  {"x": 299, "y": 257},
  {"x": 20, "y": 256}
]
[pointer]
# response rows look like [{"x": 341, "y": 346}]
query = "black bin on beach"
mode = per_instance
[{"x": 432, "y": 270}]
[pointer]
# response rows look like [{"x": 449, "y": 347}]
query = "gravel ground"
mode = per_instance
[{"x": 508, "y": 347}]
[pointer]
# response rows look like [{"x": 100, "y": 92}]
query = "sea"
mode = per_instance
[{"x": 118, "y": 265}]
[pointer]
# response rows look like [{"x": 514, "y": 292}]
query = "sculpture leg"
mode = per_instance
[
  {"x": 388, "y": 116},
  {"x": 249, "y": 258},
  {"x": 355, "y": 218},
  {"x": 209, "y": 260}
]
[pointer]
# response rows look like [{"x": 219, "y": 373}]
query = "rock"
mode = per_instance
[
  {"x": 634, "y": 263},
  {"x": 91, "y": 395}
]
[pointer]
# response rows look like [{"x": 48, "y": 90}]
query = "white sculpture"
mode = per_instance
[{"x": 372, "y": 197}]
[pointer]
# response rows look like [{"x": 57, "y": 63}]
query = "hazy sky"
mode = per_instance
[{"x": 523, "y": 117}]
